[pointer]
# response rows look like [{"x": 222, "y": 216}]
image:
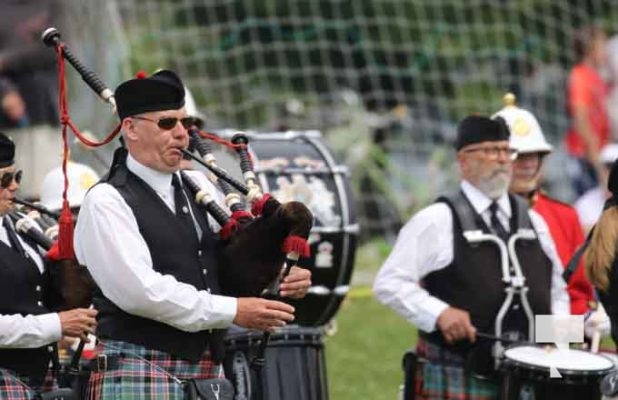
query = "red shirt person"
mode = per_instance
[
  {"x": 587, "y": 105},
  {"x": 562, "y": 219},
  {"x": 588, "y": 90}
]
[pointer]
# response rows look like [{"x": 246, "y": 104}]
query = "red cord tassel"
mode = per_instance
[
  {"x": 229, "y": 228},
  {"x": 240, "y": 215},
  {"x": 64, "y": 244},
  {"x": 297, "y": 245},
  {"x": 53, "y": 254},
  {"x": 258, "y": 207},
  {"x": 65, "y": 233}
]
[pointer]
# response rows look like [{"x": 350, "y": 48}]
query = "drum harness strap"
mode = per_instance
[
  {"x": 570, "y": 268},
  {"x": 242, "y": 375},
  {"x": 512, "y": 275}
]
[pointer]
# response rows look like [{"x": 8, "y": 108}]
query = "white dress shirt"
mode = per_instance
[
  {"x": 30, "y": 331},
  {"x": 425, "y": 244},
  {"x": 108, "y": 241}
]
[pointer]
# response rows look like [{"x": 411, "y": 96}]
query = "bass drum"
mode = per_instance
[
  {"x": 298, "y": 166},
  {"x": 294, "y": 364}
]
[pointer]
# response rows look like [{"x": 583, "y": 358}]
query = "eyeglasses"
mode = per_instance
[
  {"x": 7, "y": 178},
  {"x": 168, "y": 123},
  {"x": 493, "y": 153}
]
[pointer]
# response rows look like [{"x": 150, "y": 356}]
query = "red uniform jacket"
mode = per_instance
[{"x": 567, "y": 233}]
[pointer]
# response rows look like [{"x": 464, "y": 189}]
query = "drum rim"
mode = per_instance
[
  {"x": 292, "y": 332},
  {"x": 568, "y": 371}
]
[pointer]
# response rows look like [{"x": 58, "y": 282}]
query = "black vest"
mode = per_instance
[
  {"x": 473, "y": 281},
  {"x": 22, "y": 291},
  {"x": 174, "y": 250}
]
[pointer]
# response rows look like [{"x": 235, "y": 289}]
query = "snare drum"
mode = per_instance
[
  {"x": 526, "y": 374},
  {"x": 294, "y": 364},
  {"x": 298, "y": 166}
]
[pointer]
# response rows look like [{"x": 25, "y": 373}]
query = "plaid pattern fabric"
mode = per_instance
[
  {"x": 442, "y": 377},
  {"x": 146, "y": 374},
  {"x": 16, "y": 387}
]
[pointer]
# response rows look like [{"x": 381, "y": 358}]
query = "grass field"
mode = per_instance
[{"x": 363, "y": 358}]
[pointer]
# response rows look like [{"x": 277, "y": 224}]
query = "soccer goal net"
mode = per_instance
[{"x": 384, "y": 80}]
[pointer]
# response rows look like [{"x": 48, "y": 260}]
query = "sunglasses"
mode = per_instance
[
  {"x": 7, "y": 178},
  {"x": 169, "y": 123}
]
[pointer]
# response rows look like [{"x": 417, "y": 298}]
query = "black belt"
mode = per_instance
[{"x": 105, "y": 362}]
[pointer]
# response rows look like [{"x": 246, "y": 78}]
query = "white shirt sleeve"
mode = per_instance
[
  {"x": 108, "y": 242},
  {"x": 31, "y": 331},
  {"x": 560, "y": 303},
  {"x": 424, "y": 245}
]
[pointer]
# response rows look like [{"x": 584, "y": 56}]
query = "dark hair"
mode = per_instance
[{"x": 583, "y": 39}]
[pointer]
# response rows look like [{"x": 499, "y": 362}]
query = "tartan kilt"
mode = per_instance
[
  {"x": 442, "y": 376},
  {"x": 138, "y": 379},
  {"x": 17, "y": 387}
]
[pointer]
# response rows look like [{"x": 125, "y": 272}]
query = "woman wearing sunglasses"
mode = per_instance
[{"x": 28, "y": 326}]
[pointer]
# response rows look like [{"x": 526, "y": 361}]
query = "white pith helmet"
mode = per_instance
[
  {"x": 191, "y": 107},
  {"x": 526, "y": 134},
  {"x": 81, "y": 177}
]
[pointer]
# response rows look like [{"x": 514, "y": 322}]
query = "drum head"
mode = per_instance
[{"x": 577, "y": 361}]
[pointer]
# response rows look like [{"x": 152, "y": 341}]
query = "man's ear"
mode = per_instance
[
  {"x": 462, "y": 160},
  {"x": 128, "y": 127}
]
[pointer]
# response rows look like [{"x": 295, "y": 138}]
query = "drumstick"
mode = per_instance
[
  {"x": 596, "y": 340},
  {"x": 489, "y": 336}
]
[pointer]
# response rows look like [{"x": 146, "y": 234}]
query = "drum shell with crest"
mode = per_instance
[{"x": 297, "y": 165}]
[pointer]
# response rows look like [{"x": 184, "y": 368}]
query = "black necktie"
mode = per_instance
[
  {"x": 496, "y": 226},
  {"x": 182, "y": 208},
  {"x": 13, "y": 239}
]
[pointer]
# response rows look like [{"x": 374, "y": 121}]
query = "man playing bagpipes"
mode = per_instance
[
  {"x": 29, "y": 328},
  {"x": 151, "y": 252}
]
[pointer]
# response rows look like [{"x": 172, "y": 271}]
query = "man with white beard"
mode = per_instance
[
  {"x": 451, "y": 289},
  {"x": 564, "y": 227}
]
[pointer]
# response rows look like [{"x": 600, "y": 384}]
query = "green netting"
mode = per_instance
[{"x": 384, "y": 80}]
